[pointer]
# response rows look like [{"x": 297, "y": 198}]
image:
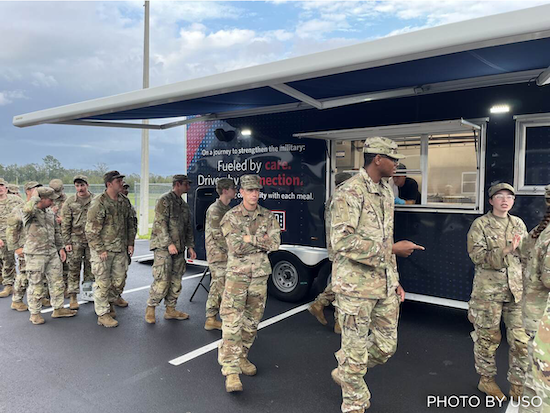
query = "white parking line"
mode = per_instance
[
  {"x": 209, "y": 347},
  {"x": 133, "y": 290}
]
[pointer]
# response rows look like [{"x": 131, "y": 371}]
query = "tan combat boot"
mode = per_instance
[
  {"x": 19, "y": 306},
  {"x": 63, "y": 312},
  {"x": 150, "y": 314},
  {"x": 233, "y": 383},
  {"x": 46, "y": 302},
  {"x": 247, "y": 367},
  {"x": 488, "y": 386},
  {"x": 37, "y": 319},
  {"x": 7, "y": 291},
  {"x": 73, "y": 303},
  {"x": 337, "y": 328},
  {"x": 173, "y": 314},
  {"x": 212, "y": 324},
  {"x": 112, "y": 312},
  {"x": 121, "y": 302},
  {"x": 516, "y": 390},
  {"x": 106, "y": 320},
  {"x": 336, "y": 377},
  {"x": 317, "y": 309}
]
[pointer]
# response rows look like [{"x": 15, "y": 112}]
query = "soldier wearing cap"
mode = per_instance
[
  {"x": 536, "y": 287},
  {"x": 111, "y": 234},
  {"x": 121, "y": 302},
  {"x": 44, "y": 254},
  {"x": 172, "y": 233},
  {"x": 16, "y": 236},
  {"x": 251, "y": 232},
  {"x": 494, "y": 245},
  {"x": 73, "y": 223},
  {"x": 365, "y": 280},
  {"x": 327, "y": 296},
  {"x": 7, "y": 257},
  {"x": 57, "y": 186},
  {"x": 216, "y": 250},
  {"x": 13, "y": 190}
]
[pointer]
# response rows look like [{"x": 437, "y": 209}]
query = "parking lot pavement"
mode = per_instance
[{"x": 73, "y": 365}]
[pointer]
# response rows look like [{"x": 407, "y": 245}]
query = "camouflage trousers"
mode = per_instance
[
  {"x": 8, "y": 265},
  {"x": 327, "y": 298},
  {"x": 109, "y": 278},
  {"x": 167, "y": 272},
  {"x": 360, "y": 349},
  {"x": 78, "y": 257},
  {"x": 486, "y": 316},
  {"x": 528, "y": 386},
  {"x": 217, "y": 285},
  {"x": 42, "y": 268},
  {"x": 242, "y": 308},
  {"x": 21, "y": 281},
  {"x": 541, "y": 361}
]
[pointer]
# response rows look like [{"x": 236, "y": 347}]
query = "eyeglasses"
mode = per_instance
[
  {"x": 502, "y": 197},
  {"x": 395, "y": 161}
]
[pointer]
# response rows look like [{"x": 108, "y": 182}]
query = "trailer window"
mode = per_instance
[{"x": 532, "y": 153}]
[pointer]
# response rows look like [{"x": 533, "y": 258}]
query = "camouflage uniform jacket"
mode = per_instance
[
  {"x": 172, "y": 223},
  {"x": 216, "y": 247},
  {"x": 15, "y": 233},
  {"x": 6, "y": 208},
  {"x": 535, "y": 292},
  {"x": 330, "y": 251},
  {"x": 109, "y": 224},
  {"x": 362, "y": 238},
  {"x": 43, "y": 232},
  {"x": 497, "y": 276},
  {"x": 250, "y": 258},
  {"x": 73, "y": 215}
]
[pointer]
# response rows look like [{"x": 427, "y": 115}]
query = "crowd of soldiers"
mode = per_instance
[{"x": 94, "y": 235}]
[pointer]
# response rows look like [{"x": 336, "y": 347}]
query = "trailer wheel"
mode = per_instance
[{"x": 290, "y": 279}]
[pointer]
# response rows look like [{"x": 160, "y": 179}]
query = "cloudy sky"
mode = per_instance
[{"x": 57, "y": 53}]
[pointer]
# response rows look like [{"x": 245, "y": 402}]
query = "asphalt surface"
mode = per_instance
[{"x": 74, "y": 365}]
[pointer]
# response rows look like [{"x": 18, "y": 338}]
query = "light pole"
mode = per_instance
[{"x": 144, "y": 184}]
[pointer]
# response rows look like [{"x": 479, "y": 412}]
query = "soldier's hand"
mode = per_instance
[
  {"x": 247, "y": 238},
  {"x": 103, "y": 256},
  {"x": 1, "y": 244},
  {"x": 34, "y": 192},
  {"x": 172, "y": 249},
  {"x": 400, "y": 292},
  {"x": 130, "y": 250},
  {"x": 192, "y": 254},
  {"x": 19, "y": 252},
  {"x": 405, "y": 248},
  {"x": 62, "y": 255},
  {"x": 58, "y": 219},
  {"x": 69, "y": 248}
]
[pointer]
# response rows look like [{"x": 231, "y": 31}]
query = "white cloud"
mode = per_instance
[
  {"x": 8, "y": 96},
  {"x": 41, "y": 79}
]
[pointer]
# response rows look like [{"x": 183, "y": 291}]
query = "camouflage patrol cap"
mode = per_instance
[
  {"x": 180, "y": 178},
  {"x": 56, "y": 185},
  {"x": 45, "y": 192},
  {"x": 125, "y": 184},
  {"x": 82, "y": 178},
  {"x": 31, "y": 185},
  {"x": 499, "y": 187},
  {"x": 251, "y": 182},
  {"x": 224, "y": 183},
  {"x": 382, "y": 146},
  {"x": 2, "y": 182},
  {"x": 13, "y": 189},
  {"x": 111, "y": 176},
  {"x": 341, "y": 177}
]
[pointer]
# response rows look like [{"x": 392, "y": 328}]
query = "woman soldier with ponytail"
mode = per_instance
[{"x": 536, "y": 315}]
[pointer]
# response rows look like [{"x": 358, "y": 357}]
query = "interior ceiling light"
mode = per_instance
[
  {"x": 246, "y": 132},
  {"x": 500, "y": 109}
]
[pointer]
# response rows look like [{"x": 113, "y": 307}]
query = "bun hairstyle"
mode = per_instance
[{"x": 546, "y": 219}]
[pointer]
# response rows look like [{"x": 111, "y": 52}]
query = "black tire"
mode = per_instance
[{"x": 291, "y": 279}]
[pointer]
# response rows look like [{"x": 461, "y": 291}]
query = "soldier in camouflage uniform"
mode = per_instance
[
  {"x": 111, "y": 234},
  {"x": 7, "y": 204},
  {"x": 327, "y": 297},
  {"x": 494, "y": 244},
  {"x": 57, "y": 186},
  {"x": 172, "y": 233},
  {"x": 216, "y": 250},
  {"x": 251, "y": 232},
  {"x": 536, "y": 251},
  {"x": 13, "y": 190},
  {"x": 16, "y": 237},
  {"x": 121, "y": 302},
  {"x": 365, "y": 277},
  {"x": 44, "y": 253},
  {"x": 73, "y": 223}
]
